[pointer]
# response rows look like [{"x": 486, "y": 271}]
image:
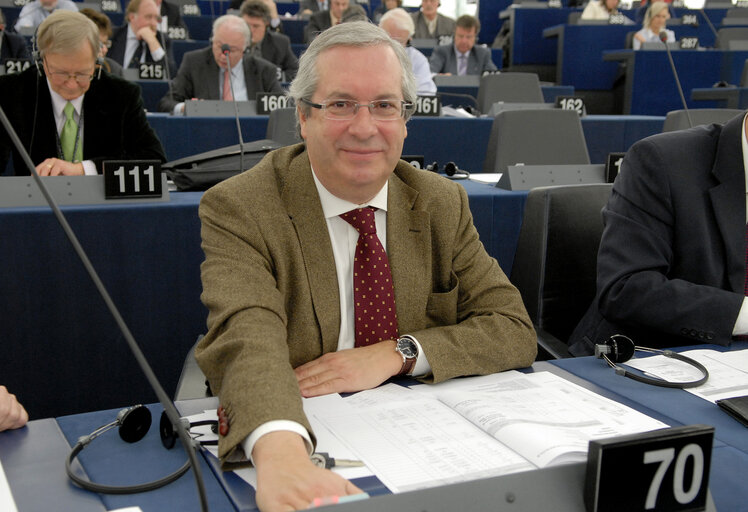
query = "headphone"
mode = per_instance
[
  {"x": 450, "y": 169},
  {"x": 133, "y": 423},
  {"x": 619, "y": 349}
]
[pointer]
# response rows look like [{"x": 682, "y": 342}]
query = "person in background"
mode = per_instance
[
  {"x": 385, "y": 6},
  {"x": 432, "y": 25},
  {"x": 654, "y": 22},
  {"x": 105, "y": 32},
  {"x": 205, "y": 74},
  {"x": 171, "y": 18},
  {"x": 309, "y": 7},
  {"x": 399, "y": 25},
  {"x": 601, "y": 10},
  {"x": 322, "y": 20},
  {"x": 12, "y": 413},
  {"x": 33, "y": 13},
  {"x": 463, "y": 57},
  {"x": 266, "y": 43},
  {"x": 12, "y": 46}
]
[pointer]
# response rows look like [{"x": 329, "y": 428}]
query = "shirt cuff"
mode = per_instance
[
  {"x": 89, "y": 168},
  {"x": 159, "y": 54},
  {"x": 178, "y": 109},
  {"x": 741, "y": 324},
  {"x": 422, "y": 366},
  {"x": 275, "y": 426}
]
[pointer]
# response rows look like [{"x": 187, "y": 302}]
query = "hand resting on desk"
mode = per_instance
[
  {"x": 12, "y": 413},
  {"x": 287, "y": 479}
]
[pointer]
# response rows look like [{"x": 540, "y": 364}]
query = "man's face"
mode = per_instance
[
  {"x": 464, "y": 39},
  {"x": 59, "y": 67},
  {"x": 354, "y": 158},
  {"x": 147, "y": 15},
  {"x": 256, "y": 26},
  {"x": 48, "y": 5},
  {"x": 337, "y": 7},
  {"x": 398, "y": 34},
  {"x": 227, "y": 34},
  {"x": 428, "y": 7}
]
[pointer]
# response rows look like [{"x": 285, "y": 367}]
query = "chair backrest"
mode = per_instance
[
  {"x": 736, "y": 12},
  {"x": 744, "y": 75},
  {"x": 678, "y": 119},
  {"x": 282, "y": 126},
  {"x": 573, "y": 17},
  {"x": 727, "y": 34},
  {"x": 556, "y": 260},
  {"x": 509, "y": 87},
  {"x": 535, "y": 137}
]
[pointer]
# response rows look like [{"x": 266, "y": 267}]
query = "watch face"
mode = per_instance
[{"x": 407, "y": 348}]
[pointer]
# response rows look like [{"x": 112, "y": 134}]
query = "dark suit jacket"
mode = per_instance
[
  {"x": 14, "y": 47},
  {"x": 671, "y": 265},
  {"x": 444, "y": 60},
  {"x": 312, "y": 5},
  {"x": 198, "y": 78},
  {"x": 270, "y": 285},
  {"x": 114, "y": 122},
  {"x": 276, "y": 48},
  {"x": 318, "y": 22},
  {"x": 174, "y": 17},
  {"x": 119, "y": 44},
  {"x": 445, "y": 26}
]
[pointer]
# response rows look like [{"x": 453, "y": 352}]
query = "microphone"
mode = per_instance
[
  {"x": 163, "y": 398},
  {"x": 709, "y": 22},
  {"x": 162, "y": 40},
  {"x": 663, "y": 37},
  {"x": 226, "y": 50}
]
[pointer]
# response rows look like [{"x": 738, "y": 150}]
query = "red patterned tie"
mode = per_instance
[
  {"x": 373, "y": 293},
  {"x": 227, "y": 85}
]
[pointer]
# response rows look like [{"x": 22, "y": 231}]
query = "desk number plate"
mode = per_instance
[
  {"x": 428, "y": 106},
  {"x": 151, "y": 71},
  {"x": 571, "y": 103},
  {"x": 269, "y": 101},
  {"x": 664, "y": 470},
  {"x": 132, "y": 178}
]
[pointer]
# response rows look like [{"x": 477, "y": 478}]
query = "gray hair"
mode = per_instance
[
  {"x": 237, "y": 23},
  {"x": 356, "y": 34},
  {"x": 400, "y": 18},
  {"x": 64, "y": 31}
]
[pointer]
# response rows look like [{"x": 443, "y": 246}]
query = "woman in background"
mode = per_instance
[{"x": 654, "y": 23}]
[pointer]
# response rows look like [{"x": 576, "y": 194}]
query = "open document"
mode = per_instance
[
  {"x": 728, "y": 372},
  {"x": 478, "y": 427}
]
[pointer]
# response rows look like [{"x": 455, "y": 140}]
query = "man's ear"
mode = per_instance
[{"x": 302, "y": 121}]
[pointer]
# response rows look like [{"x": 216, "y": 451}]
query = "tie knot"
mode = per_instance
[
  {"x": 68, "y": 111},
  {"x": 362, "y": 219}
]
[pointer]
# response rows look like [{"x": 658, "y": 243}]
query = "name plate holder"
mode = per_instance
[
  {"x": 525, "y": 177},
  {"x": 19, "y": 191},
  {"x": 219, "y": 108}
]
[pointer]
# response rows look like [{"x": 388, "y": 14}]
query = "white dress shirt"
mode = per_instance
[
  {"x": 132, "y": 45},
  {"x": 422, "y": 71}
]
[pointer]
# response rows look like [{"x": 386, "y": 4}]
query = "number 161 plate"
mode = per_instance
[{"x": 132, "y": 178}]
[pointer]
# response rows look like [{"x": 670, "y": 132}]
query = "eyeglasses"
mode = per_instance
[
  {"x": 64, "y": 76},
  {"x": 232, "y": 49},
  {"x": 380, "y": 110}
]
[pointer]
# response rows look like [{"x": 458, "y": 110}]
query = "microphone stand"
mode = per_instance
[
  {"x": 663, "y": 38},
  {"x": 226, "y": 49},
  {"x": 166, "y": 402}
]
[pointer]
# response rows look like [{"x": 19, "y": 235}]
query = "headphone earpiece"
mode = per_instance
[
  {"x": 451, "y": 170},
  {"x": 134, "y": 423},
  {"x": 618, "y": 348}
]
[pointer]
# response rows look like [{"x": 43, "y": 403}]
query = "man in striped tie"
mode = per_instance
[{"x": 69, "y": 115}]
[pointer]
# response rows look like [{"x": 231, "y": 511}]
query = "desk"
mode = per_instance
[
  {"x": 62, "y": 352},
  {"x": 650, "y": 86},
  {"x": 678, "y": 407}
]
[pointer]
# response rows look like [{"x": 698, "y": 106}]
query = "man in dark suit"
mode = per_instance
[
  {"x": 432, "y": 25},
  {"x": 12, "y": 46},
  {"x": 278, "y": 276},
  {"x": 270, "y": 45},
  {"x": 322, "y": 20},
  {"x": 203, "y": 73},
  {"x": 462, "y": 57},
  {"x": 307, "y": 7},
  {"x": 139, "y": 40},
  {"x": 69, "y": 117},
  {"x": 671, "y": 269}
]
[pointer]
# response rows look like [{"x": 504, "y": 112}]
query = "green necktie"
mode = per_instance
[{"x": 68, "y": 136}]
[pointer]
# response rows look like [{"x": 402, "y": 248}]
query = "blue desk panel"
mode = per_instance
[{"x": 432, "y": 137}]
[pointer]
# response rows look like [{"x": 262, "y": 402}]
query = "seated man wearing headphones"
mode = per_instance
[{"x": 69, "y": 116}]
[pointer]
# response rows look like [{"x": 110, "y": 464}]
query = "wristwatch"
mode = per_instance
[{"x": 408, "y": 348}]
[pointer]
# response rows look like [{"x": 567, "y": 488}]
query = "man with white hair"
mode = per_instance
[
  {"x": 210, "y": 73},
  {"x": 399, "y": 25},
  {"x": 33, "y": 13}
]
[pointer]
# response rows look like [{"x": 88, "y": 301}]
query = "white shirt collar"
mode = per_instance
[
  {"x": 745, "y": 156},
  {"x": 333, "y": 206},
  {"x": 58, "y": 103}
]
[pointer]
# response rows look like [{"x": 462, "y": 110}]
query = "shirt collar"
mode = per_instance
[
  {"x": 333, "y": 206},
  {"x": 745, "y": 152},
  {"x": 58, "y": 102}
]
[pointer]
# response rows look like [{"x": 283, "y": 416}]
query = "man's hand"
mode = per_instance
[
  {"x": 286, "y": 477},
  {"x": 148, "y": 34},
  {"x": 57, "y": 167},
  {"x": 12, "y": 414},
  {"x": 349, "y": 370}
]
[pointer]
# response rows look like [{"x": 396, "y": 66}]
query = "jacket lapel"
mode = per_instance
[
  {"x": 728, "y": 200},
  {"x": 408, "y": 251},
  {"x": 303, "y": 205}
]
